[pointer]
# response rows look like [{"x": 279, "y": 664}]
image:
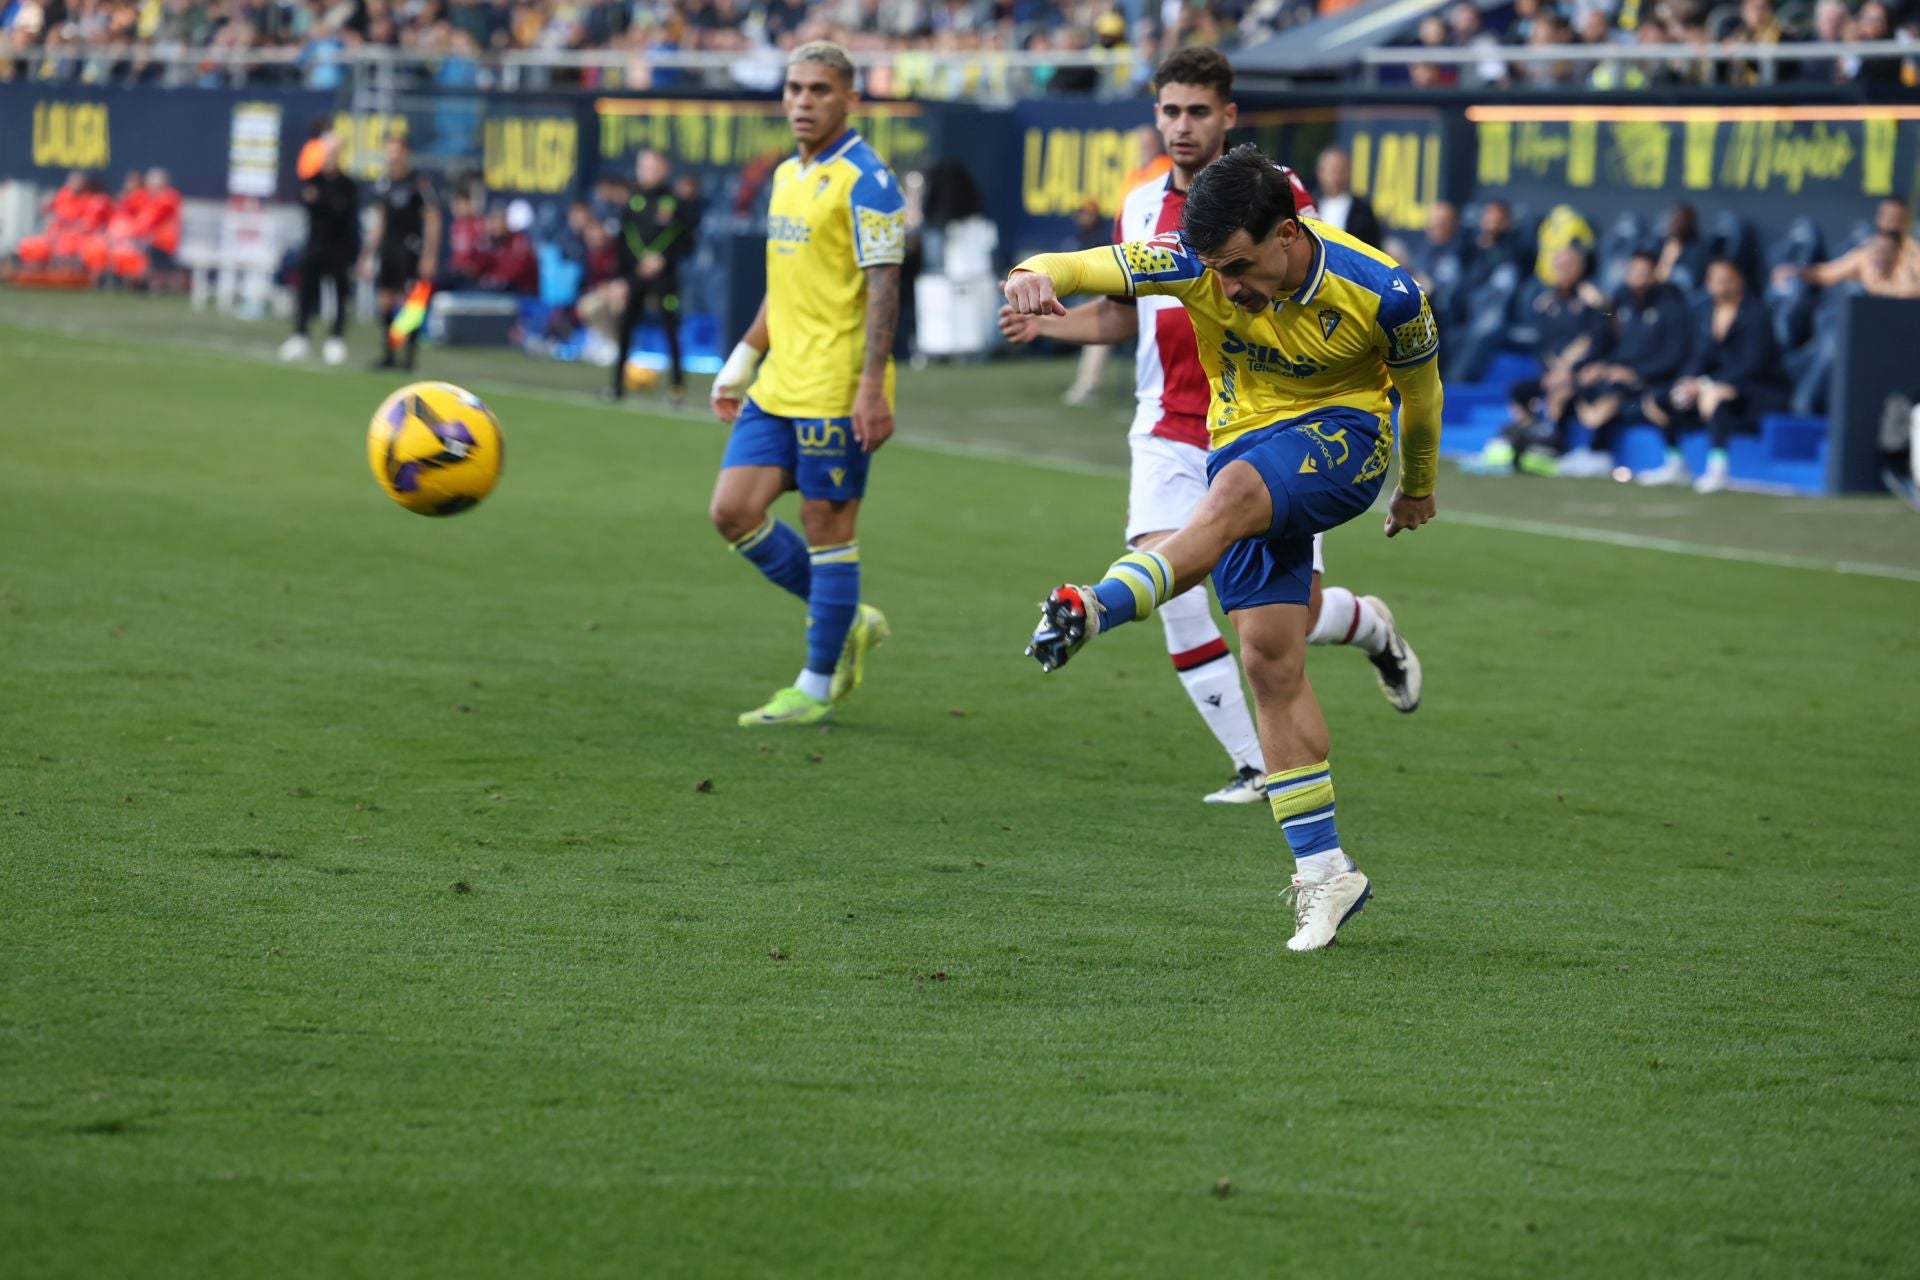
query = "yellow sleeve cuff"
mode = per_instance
[
  {"x": 1421, "y": 399},
  {"x": 1089, "y": 271}
]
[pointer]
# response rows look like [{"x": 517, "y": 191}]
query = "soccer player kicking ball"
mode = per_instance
[
  {"x": 1304, "y": 331},
  {"x": 1168, "y": 440},
  {"x": 823, "y": 399}
]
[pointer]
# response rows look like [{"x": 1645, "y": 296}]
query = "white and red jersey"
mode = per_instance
[{"x": 1169, "y": 381}]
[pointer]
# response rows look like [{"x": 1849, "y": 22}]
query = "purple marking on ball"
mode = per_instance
[
  {"x": 407, "y": 477},
  {"x": 453, "y": 431},
  {"x": 397, "y": 414}
]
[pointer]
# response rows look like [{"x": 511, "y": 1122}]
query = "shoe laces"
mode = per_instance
[{"x": 1301, "y": 896}]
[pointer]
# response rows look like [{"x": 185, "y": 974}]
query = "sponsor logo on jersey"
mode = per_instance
[
  {"x": 782, "y": 229},
  {"x": 1265, "y": 359}
]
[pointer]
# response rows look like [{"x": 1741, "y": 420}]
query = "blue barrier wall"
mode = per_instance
[{"x": 47, "y": 130}]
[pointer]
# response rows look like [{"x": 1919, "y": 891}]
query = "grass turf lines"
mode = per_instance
[{"x": 384, "y": 895}]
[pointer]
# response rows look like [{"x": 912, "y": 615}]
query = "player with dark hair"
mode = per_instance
[
  {"x": 1305, "y": 333},
  {"x": 1168, "y": 440},
  {"x": 811, "y": 417},
  {"x": 404, "y": 248}
]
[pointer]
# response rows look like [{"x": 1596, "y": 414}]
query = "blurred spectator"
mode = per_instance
[
  {"x": 656, "y": 236},
  {"x": 1874, "y": 22},
  {"x": 332, "y": 201},
  {"x": 511, "y": 265},
  {"x": 572, "y": 238},
  {"x": 469, "y": 248},
  {"x": 129, "y": 208},
  {"x": 1651, "y": 328},
  {"x": 159, "y": 224},
  {"x": 1733, "y": 378},
  {"x": 1759, "y": 24},
  {"x": 1832, "y": 24},
  {"x": 1469, "y": 32},
  {"x": 1073, "y": 80},
  {"x": 1440, "y": 260},
  {"x": 1091, "y": 230},
  {"x": 1434, "y": 34},
  {"x": 609, "y": 200},
  {"x": 1683, "y": 255},
  {"x": 1571, "y": 318},
  {"x": 1887, "y": 265},
  {"x": 1339, "y": 207},
  {"x": 1495, "y": 244}
]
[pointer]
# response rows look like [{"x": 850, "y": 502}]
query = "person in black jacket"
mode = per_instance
[
  {"x": 1733, "y": 379},
  {"x": 656, "y": 236},
  {"x": 1333, "y": 178},
  {"x": 332, "y": 200},
  {"x": 1652, "y": 332}
]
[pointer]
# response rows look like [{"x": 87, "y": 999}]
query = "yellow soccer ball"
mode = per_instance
[
  {"x": 435, "y": 448},
  {"x": 642, "y": 378}
]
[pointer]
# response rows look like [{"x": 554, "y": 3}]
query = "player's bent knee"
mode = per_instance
[
  {"x": 735, "y": 518},
  {"x": 827, "y": 523}
]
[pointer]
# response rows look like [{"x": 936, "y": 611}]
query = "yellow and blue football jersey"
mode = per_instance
[
  {"x": 1359, "y": 325},
  {"x": 828, "y": 221}
]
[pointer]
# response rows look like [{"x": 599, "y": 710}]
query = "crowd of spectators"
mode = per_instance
[
  {"x": 1672, "y": 41},
  {"x": 1681, "y": 330},
  {"x": 1101, "y": 43}
]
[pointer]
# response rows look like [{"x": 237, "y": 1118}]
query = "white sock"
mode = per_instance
[
  {"x": 1347, "y": 619},
  {"x": 1211, "y": 676},
  {"x": 1323, "y": 866},
  {"x": 815, "y": 684}
]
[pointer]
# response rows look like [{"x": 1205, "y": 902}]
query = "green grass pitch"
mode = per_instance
[{"x": 388, "y": 896}]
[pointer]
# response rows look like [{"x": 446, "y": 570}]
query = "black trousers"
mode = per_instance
[
  {"x": 642, "y": 296},
  {"x": 1738, "y": 416},
  {"x": 314, "y": 269}
]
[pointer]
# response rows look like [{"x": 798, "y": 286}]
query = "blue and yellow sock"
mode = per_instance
[
  {"x": 780, "y": 553},
  {"x": 1302, "y": 802},
  {"x": 832, "y": 602},
  {"x": 1137, "y": 584}
]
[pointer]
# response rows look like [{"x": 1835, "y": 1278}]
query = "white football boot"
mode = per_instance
[
  {"x": 1321, "y": 907},
  {"x": 296, "y": 347},
  {"x": 334, "y": 351},
  {"x": 1249, "y": 786}
]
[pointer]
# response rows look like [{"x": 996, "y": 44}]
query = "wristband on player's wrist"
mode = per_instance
[{"x": 740, "y": 366}]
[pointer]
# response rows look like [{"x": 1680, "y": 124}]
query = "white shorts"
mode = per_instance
[{"x": 1165, "y": 484}]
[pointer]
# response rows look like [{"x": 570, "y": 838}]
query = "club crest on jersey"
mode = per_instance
[
  {"x": 1329, "y": 321},
  {"x": 821, "y": 189}
]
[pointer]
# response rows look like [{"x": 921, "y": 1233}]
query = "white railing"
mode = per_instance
[
  {"x": 1766, "y": 56},
  {"x": 889, "y": 73}
]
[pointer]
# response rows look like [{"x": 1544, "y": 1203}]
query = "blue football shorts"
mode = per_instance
[
  {"x": 1322, "y": 469},
  {"x": 825, "y": 459}
]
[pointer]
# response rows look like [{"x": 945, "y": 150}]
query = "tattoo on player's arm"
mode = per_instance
[{"x": 883, "y": 316}]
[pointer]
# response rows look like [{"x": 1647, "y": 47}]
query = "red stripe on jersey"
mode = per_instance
[
  {"x": 1211, "y": 651},
  {"x": 1185, "y": 392},
  {"x": 1183, "y": 399}
]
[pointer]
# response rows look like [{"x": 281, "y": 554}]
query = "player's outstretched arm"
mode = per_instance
[
  {"x": 1036, "y": 286},
  {"x": 1421, "y": 400},
  {"x": 736, "y": 375},
  {"x": 1102, "y": 322},
  {"x": 872, "y": 415}
]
